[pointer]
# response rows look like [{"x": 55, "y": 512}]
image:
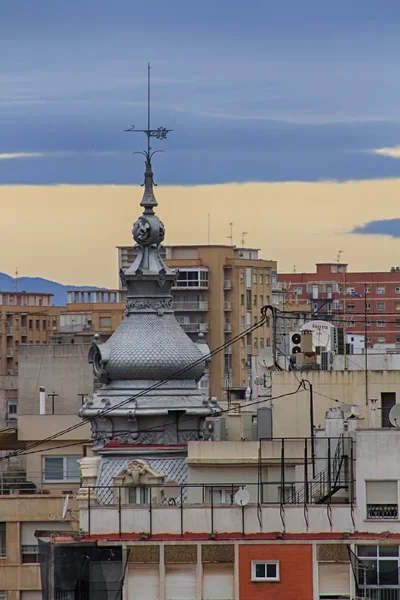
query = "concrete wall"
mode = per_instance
[{"x": 63, "y": 369}]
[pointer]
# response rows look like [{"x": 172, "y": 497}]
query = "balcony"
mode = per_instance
[
  {"x": 9, "y": 329},
  {"x": 228, "y": 327},
  {"x": 227, "y": 306},
  {"x": 194, "y": 327},
  {"x": 227, "y": 284},
  {"x": 190, "y": 305},
  {"x": 10, "y": 352}
]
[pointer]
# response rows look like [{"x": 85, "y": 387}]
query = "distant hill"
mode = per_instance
[{"x": 38, "y": 284}]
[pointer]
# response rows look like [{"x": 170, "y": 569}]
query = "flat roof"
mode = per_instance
[{"x": 200, "y": 246}]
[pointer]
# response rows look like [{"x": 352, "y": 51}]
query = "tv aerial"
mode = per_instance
[{"x": 394, "y": 415}]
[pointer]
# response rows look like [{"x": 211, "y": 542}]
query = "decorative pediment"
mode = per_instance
[{"x": 137, "y": 472}]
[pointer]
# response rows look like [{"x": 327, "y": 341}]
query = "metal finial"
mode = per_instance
[{"x": 160, "y": 133}]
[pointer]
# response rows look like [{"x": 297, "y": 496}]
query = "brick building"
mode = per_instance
[{"x": 366, "y": 303}]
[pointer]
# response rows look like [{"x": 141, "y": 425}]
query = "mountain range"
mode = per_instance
[{"x": 38, "y": 284}]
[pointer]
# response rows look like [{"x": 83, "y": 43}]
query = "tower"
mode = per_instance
[{"x": 149, "y": 405}]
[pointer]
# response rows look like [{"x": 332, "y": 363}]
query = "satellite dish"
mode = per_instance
[
  {"x": 265, "y": 358},
  {"x": 242, "y": 497},
  {"x": 394, "y": 415},
  {"x": 171, "y": 490},
  {"x": 65, "y": 507}
]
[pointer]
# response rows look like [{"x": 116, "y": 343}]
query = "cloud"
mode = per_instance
[
  {"x": 393, "y": 152},
  {"x": 388, "y": 227},
  {"x": 11, "y": 155}
]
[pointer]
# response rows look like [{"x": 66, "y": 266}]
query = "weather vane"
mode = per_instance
[{"x": 160, "y": 133}]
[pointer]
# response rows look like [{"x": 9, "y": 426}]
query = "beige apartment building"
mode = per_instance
[
  {"x": 219, "y": 293},
  {"x": 25, "y": 318},
  {"x": 37, "y": 488}
]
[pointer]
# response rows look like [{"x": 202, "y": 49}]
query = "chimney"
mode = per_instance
[
  {"x": 334, "y": 419},
  {"x": 42, "y": 401}
]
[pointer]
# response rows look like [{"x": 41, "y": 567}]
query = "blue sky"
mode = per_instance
[{"x": 255, "y": 91}]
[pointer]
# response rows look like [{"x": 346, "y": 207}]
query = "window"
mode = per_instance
[
  {"x": 367, "y": 305},
  {"x": 61, "y": 468},
  {"x": 255, "y": 343},
  {"x": 397, "y": 290},
  {"x": 222, "y": 495},
  {"x": 255, "y": 300},
  {"x": 388, "y": 400},
  {"x": 44, "y": 325},
  {"x": 196, "y": 278},
  {"x": 37, "y": 324},
  {"x": 54, "y": 324},
  {"x": 350, "y": 307},
  {"x": 242, "y": 320},
  {"x": 368, "y": 340},
  {"x": 381, "y": 339},
  {"x": 298, "y": 291},
  {"x": 30, "y": 324},
  {"x": 266, "y": 278},
  {"x": 255, "y": 278},
  {"x": 265, "y": 571},
  {"x": 248, "y": 297},
  {"x": 381, "y": 323},
  {"x": 268, "y": 342},
  {"x": 29, "y": 554},
  {"x": 228, "y": 362},
  {"x": 260, "y": 279},
  {"x": 368, "y": 323},
  {"x": 11, "y": 409},
  {"x": 287, "y": 495},
  {"x": 397, "y": 322},
  {"x": 380, "y": 306},
  {"x": 383, "y": 563},
  {"x": 367, "y": 290},
  {"x": 398, "y": 339},
  {"x": 350, "y": 323},
  {"x": 261, "y": 300},
  {"x": 261, "y": 343},
  {"x": 381, "y": 499},
  {"x": 241, "y": 277},
  {"x": 138, "y": 494},
  {"x": 105, "y": 322},
  {"x": 380, "y": 289},
  {"x": 3, "y": 540},
  {"x": 242, "y": 299}
]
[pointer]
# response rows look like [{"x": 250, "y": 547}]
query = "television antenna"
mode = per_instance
[
  {"x": 171, "y": 491},
  {"x": 266, "y": 358}
]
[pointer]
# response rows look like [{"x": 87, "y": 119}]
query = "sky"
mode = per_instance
[{"x": 278, "y": 97}]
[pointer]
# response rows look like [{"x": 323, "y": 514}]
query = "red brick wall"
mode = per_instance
[{"x": 295, "y": 563}]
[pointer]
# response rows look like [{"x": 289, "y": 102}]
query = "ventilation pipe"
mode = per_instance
[{"x": 42, "y": 401}]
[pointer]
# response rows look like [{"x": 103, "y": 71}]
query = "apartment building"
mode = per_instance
[
  {"x": 219, "y": 293},
  {"x": 273, "y": 518},
  {"x": 37, "y": 487},
  {"x": 366, "y": 303},
  {"x": 25, "y": 318}
]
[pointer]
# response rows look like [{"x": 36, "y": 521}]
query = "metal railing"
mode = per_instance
[
  {"x": 380, "y": 593},
  {"x": 227, "y": 284},
  {"x": 194, "y": 327},
  {"x": 228, "y": 327},
  {"x": 382, "y": 511},
  {"x": 190, "y": 305},
  {"x": 17, "y": 482}
]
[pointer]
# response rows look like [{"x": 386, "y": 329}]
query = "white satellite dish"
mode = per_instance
[
  {"x": 65, "y": 507},
  {"x": 394, "y": 415},
  {"x": 265, "y": 358},
  {"x": 171, "y": 490},
  {"x": 242, "y": 497}
]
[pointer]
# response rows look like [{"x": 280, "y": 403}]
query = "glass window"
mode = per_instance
[
  {"x": 242, "y": 299},
  {"x": 255, "y": 300},
  {"x": 255, "y": 278},
  {"x": 266, "y": 278},
  {"x": 367, "y": 290},
  {"x": 380, "y": 306},
  {"x": 381, "y": 323},
  {"x": 3, "y": 540},
  {"x": 242, "y": 277},
  {"x": 105, "y": 322},
  {"x": 380, "y": 289},
  {"x": 265, "y": 571},
  {"x": 261, "y": 300},
  {"x": 397, "y": 290},
  {"x": 260, "y": 279},
  {"x": 61, "y": 468}
]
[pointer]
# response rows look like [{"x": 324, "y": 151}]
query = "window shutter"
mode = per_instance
[
  {"x": 143, "y": 582},
  {"x": 334, "y": 578},
  {"x": 217, "y": 581},
  {"x": 54, "y": 468},
  {"x": 180, "y": 582},
  {"x": 381, "y": 492}
]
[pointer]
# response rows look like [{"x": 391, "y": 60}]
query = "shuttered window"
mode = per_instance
[
  {"x": 334, "y": 580},
  {"x": 143, "y": 582},
  {"x": 381, "y": 492},
  {"x": 180, "y": 582},
  {"x": 217, "y": 581}
]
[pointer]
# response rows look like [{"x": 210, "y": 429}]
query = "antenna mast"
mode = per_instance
[
  {"x": 230, "y": 237},
  {"x": 244, "y": 233}
]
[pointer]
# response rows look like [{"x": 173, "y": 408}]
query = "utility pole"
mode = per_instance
[
  {"x": 230, "y": 237},
  {"x": 244, "y": 233}
]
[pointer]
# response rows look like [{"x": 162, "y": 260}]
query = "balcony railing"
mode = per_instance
[
  {"x": 9, "y": 329},
  {"x": 10, "y": 352},
  {"x": 382, "y": 511},
  {"x": 190, "y": 305},
  {"x": 228, "y": 327},
  {"x": 194, "y": 327},
  {"x": 227, "y": 306},
  {"x": 227, "y": 284}
]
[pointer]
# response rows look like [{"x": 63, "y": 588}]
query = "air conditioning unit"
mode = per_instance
[
  {"x": 215, "y": 429},
  {"x": 327, "y": 359},
  {"x": 295, "y": 342}
]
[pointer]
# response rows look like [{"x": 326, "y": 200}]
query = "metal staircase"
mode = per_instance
[{"x": 329, "y": 481}]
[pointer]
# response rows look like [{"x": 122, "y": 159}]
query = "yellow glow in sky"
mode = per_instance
[{"x": 69, "y": 233}]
